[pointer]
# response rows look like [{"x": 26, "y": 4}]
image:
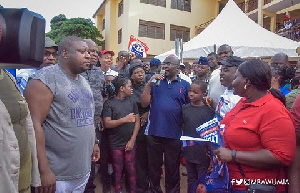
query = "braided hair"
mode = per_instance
[
  {"x": 114, "y": 87},
  {"x": 286, "y": 73}
]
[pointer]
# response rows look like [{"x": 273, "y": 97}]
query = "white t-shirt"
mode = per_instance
[
  {"x": 111, "y": 72},
  {"x": 185, "y": 77},
  {"x": 288, "y": 25}
]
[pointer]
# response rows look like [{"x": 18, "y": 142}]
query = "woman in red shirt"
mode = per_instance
[{"x": 259, "y": 131}]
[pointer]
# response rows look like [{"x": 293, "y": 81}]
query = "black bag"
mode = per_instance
[
  {"x": 257, "y": 188},
  {"x": 261, "y": 188}
]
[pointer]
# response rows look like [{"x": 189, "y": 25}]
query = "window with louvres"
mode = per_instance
[
  {"x": 151, "y": 29},
  {"x": 161, "y": 3}
]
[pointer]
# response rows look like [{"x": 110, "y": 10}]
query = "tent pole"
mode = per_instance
[
  {"x": 177, "y": 47},
  {"x": 181, "y": 51}
]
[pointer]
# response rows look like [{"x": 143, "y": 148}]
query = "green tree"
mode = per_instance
[
  {"x": 62, "y": 27},
  {"x": 58, "y": 18}
]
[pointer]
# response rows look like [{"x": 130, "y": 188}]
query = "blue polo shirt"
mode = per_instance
[{"x": 166, "y": 108}]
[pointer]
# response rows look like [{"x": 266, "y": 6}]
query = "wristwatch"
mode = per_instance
[
  {"x": 96, "y": 141},
  {"x": 233, "y": 155}
]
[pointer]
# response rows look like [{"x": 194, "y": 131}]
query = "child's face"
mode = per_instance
[
  {"x": 108, "y": 80},
  {"x": 227, "y": 75},
  {"x": 195, "y": 94},
  {"x": 127, "y": 89},
  {"x": 201, "y": 188}
]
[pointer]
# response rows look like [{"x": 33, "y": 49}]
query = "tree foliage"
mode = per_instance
[
  {"x": 58, "y": 18},
  {"x": 62, "y": 27}
]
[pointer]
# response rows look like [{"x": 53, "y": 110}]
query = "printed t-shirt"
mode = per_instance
[
  {"x": 69, "y": 126},
  {"x": 96, "y": 80},
  {"x": 227, "y": 101}
]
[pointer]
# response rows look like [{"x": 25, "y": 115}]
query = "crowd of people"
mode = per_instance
[
  {"x": 79, "y": 110},
  {"x": 290, "y": 29}
]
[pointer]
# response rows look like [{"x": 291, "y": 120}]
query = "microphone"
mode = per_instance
[{"x": 162, "y": 71}]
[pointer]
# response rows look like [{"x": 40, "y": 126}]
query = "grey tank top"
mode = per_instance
[{"x": 69, "y": 126}]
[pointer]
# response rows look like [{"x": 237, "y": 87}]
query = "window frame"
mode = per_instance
[
  {"x": 149, "y": 25},
  {"x": 161, "y": 3},
  {"x": 103, "y": 24},
  {"x": 120, "y": 8},
  {"x": 175, "y": 5},
  {"x": 120, "y": 36},
  {"x": 180, "y": 29}
]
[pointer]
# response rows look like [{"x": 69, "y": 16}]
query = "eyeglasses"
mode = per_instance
[
  {"x": 168, "y": 64},
  {"x": 47, "y": 54}
]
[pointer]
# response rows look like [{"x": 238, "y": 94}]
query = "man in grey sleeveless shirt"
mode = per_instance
[{"x": 62, "y": 108}]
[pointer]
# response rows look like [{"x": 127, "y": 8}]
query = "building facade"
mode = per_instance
[
  {"x": 155, "y": 22},
  {"x": 269, "y": 13},
  {"x": 159, "y": 22}
]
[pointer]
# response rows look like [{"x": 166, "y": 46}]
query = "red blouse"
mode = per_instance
[
  {"x": 262, "y": 124},
  {"x": 295, "y": 110}
]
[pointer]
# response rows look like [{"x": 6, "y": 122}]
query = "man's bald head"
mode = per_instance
[
  {"x": 67, "y": 43},
  {"x": 171, "y": 66},
  {"x": 90, "y": 42},
  {"x": 136, "y": 61},
  {"x": 280, "y": 59},
  {"x": 93, "y": 51},
  {"x": 172, "y": 59}
]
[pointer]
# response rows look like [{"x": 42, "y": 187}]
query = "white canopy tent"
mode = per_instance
[{"x": 247, "y": 38}]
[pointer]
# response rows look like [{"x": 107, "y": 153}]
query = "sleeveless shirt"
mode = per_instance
[{"x": 69, "y": 126}]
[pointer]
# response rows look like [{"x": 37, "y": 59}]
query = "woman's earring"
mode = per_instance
[{"x": 245, "y": 87}]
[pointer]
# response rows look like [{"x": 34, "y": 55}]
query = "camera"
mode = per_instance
[{"x": 22, "y": 38}]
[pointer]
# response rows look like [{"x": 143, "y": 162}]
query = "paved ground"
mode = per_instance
[{"x": 183, "y": 183}]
